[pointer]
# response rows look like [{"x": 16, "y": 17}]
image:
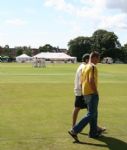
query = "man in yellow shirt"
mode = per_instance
[{"x": 91, "y": 97}]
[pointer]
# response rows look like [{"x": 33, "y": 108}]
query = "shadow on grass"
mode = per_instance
[
  {"x": 110, "y": 142},
  {"x": 113, "y": 143},
  {"x": 91, "y": 144}
]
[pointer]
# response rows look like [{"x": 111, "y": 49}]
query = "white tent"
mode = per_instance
[
  {"x": 23, "y": 58},
  {"x": 107, "y": 60},
  {"x": 55, "y": 56}
]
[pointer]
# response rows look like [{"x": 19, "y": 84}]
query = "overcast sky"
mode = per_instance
[{"x": 38, "y": 22}]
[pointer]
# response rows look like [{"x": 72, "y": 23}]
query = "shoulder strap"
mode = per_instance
[{"x": 93, "y": 69}]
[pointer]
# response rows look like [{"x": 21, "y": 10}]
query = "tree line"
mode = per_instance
[
  {"x": 105, "y": 42},
  {"x": 10, "y": 53}
]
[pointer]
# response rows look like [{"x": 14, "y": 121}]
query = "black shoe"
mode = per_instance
[{"x": 74, "y": 136}]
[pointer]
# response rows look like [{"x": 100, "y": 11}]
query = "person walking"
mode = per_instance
[
  {"x": 79, "y": 101},
  {"x": 91, "y": 97}
]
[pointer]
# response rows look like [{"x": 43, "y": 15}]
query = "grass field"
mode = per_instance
[{"x": 36, "y": 107}]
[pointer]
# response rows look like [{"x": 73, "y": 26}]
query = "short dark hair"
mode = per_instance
[
  {"x": 85, "y": 57},
  {"x": 94, "y": 54}
]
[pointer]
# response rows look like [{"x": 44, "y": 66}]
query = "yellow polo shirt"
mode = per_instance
[{"x": 85, "y": 76}]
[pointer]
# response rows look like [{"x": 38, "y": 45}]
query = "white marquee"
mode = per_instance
[{"x": 54, "y": 56}]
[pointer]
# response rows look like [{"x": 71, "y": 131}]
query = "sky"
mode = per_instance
[{"x": 38, "y": 22}]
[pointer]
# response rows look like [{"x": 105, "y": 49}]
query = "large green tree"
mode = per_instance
[
  {"x": 106, "y": 43},
  {"x": 124, "y": 53},
  {"x": 79, "y": 46}
]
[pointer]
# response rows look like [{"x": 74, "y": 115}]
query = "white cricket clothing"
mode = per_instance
[{"x": 77, "y": 83}]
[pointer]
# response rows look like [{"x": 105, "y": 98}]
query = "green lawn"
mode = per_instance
[{"x": 36, "y": 107}]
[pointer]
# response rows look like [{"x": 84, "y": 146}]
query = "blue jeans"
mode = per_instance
[{"x": 91, "y": 116}]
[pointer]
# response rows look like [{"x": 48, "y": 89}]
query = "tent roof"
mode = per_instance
[
  {"x": 23, "y": 56},
  {"x": 48, "y": 55}
]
